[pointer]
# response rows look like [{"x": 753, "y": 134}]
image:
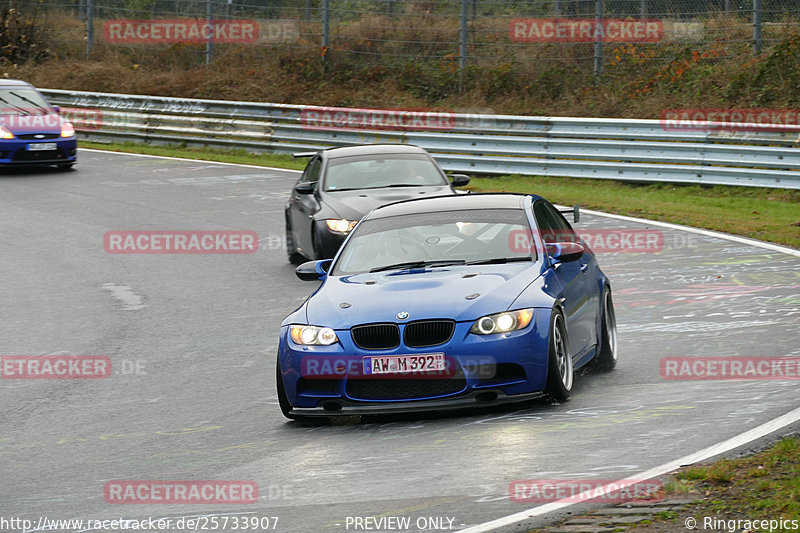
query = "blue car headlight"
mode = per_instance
[
  {"x": 502, "y": 322},
  {"x": 312, "y": 335}
]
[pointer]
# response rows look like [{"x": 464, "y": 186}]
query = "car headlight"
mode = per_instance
[
  {"x": 340, "y": 225},
  {"x": 67, "y": 129},
  {"x": 502, "y": 322},
  {"x": 312, "y": 335},
  {"x": 5, "y": 133}
]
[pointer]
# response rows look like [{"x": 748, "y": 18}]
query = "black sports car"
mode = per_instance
[{"x": 341, "y": 185}]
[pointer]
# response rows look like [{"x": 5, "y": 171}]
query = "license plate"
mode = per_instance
[
  {"x": 404, "y": 364},
  {"x": 36, "y": 147}
]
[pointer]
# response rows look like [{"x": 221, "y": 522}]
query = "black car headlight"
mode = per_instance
[
  {"x": 340, "y": 225},
  {"x": 502, "y": 322},
  {"x": 312, "y": 335}
]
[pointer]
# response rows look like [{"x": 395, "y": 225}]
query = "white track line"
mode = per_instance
[
  {"x": 187, "y": 159},
  {"x": 706, "y": 453},
  {"x": 707, "y": 233}
]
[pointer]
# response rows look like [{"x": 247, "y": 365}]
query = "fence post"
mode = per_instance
[
  {"x": 309, "y": 6},
  {"x": 643, "y": 9},
  {"x": 757, "y": 27},
  {"x": 326, "y": 26},
  {"x": 598, "y": 39},
  {"x": 210, "y": 23},
  {"x": 89, "y": 27},
  {"x": 556, "y": 8},
  {"x": 462, "y": 46}
]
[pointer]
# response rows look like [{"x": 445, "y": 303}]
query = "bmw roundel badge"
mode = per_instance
[{"x": 402, "y": 315}]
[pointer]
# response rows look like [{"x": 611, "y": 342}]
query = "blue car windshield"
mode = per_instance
[
  {"x": 22, "y": 101},
  {"x": 381, "y": 171},
  {"x": 480, "y": 236}
]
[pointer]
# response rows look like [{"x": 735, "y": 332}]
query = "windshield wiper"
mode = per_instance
[
  {"x": 419, "y": 264},
  {"x": 499, "y": 260},
  {"x": 15, "y": 106},
  {"x": 34, "y": 104}
]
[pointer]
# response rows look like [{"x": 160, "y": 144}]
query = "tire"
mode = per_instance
[
  {"x": 315, "y": 244},
  {"x": 560, "y": 373},
  {"x": 606, "y": 358},
  {"x": 66, "y": 166},
  {"x": 291, "y": 248},
  {"x": 283, "y": 401}
]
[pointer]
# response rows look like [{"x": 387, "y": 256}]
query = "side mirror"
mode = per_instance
[
  {"x": 57, "y": 109},
  {"x": 313, "y": 270},
  {"x": 459, "y": 180},
  {"x": 306, "y": 187},
  {"x": 564, "y": 252},
  {"x": 576, "y": 212}
]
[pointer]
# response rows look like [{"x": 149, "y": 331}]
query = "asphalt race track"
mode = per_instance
[{"x": 192, "y": 341}]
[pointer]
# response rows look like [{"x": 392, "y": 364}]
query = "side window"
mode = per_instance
[
  {"x": 552, "y": 224},
  {"x": 312, "y": 171}
]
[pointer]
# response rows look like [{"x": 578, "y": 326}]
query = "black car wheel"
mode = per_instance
[
  {"x": 295, "y": 258},
  {"x": 559, "y": 365},
  {"x": 606, "y": 358}
]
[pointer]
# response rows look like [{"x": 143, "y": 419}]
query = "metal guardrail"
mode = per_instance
[{"x": 622, "y": 149}]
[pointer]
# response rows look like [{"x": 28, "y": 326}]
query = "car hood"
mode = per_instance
[
  {"x": 24, "y": 124},
  {"x": 462, "y": 293},
  {"x": 353, "y": 205}
]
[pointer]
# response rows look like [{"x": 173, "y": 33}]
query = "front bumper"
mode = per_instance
[
  {"x": 16, "y": 152},
  {"x": 516, "y": 364}
]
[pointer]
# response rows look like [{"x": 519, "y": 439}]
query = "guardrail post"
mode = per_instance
[
  {"x": 556, "y": 8},
  {"x": 308, "y": 10},
  {"x": 598, "y": 39},
  {"x": 326, "y": 26},
  {"x": 89, "y": 27},
  {"x": 209, "y": 39},
  {"x": 757, "y": 27},
  {"x": 643, "y": 9},
  {"x": 462, "y": 46}
]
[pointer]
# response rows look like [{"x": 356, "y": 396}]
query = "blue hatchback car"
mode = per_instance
[
  {"x": 31, "y": 130},
  {"x": 444, "y": 303}
]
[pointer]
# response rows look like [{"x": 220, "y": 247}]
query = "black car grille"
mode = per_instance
[
  {"x": 47, "y": 155},
  {"x": 37, "y": 136},
  {"x": 420, "y": 386},
  {"x": 376, "y": 336},
  {"x": 428, "y": 333}
]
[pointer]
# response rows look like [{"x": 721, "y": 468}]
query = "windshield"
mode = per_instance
[
  {"x": 435, "y": 239},
  {"x": 22, "y": 101},
  {"x": 376, "y": 171}
]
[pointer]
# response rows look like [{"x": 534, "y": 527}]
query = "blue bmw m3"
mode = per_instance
[{"x": 444, "y": 303}]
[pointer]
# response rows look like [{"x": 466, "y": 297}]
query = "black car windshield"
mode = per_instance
[
  {"x": 22, "y": 101},
  {"x": 381, "y": 170},
  {"x": 481, "y": 236}
]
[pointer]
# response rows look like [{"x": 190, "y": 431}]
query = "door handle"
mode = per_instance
[{"x": 584, "y": 267}]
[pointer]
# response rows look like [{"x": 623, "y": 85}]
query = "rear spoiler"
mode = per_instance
[
  {"x": 576, "y": 212},
  {"x": 300, "y": 155}
]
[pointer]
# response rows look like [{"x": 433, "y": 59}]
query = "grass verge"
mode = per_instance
[
  {"x": 767, "y": 214},
  {"x": 763, "y": 486}
]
